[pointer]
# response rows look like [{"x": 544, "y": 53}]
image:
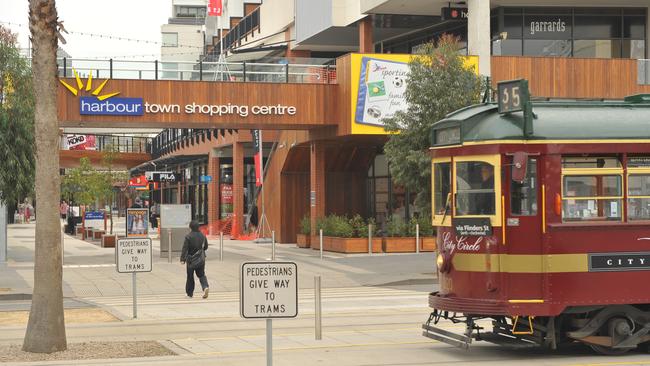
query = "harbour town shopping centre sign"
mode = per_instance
[
  {"x": 194, "y": 104},
  {"x": 136, "y": 107},
  {"x": 107, "y": 105}
]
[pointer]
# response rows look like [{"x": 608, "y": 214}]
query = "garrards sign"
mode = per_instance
[{"x": 109, "y": 105}]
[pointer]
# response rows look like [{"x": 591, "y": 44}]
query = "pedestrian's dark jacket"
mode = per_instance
[{"x": 193, "y": 242}]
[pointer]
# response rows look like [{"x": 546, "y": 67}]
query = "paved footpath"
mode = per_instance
[{"x": 373, "y": 307}]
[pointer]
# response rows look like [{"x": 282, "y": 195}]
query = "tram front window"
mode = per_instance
[
  {"x": 474, "y": 188},
  {"x": 441, "y": 186}
]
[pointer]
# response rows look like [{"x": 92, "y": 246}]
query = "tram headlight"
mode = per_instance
[{"x": 440, "y": 260}]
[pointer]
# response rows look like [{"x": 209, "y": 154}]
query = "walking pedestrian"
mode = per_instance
[{"x": 193, "y": 255}]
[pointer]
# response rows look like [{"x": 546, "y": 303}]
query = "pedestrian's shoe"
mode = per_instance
[
  {"x": 188, "y": 296},
  {"x": 206, "y": 292}
]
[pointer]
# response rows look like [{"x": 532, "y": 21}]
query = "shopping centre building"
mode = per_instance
[{"x": 299, "y": 71}]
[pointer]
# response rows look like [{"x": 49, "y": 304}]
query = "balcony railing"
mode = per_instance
[
  {"x": 172, "y": 139},
  {"x": 118, "y": 143},
  {"x": 247, "y": 26},
  {"x": 201, "y": 71}
]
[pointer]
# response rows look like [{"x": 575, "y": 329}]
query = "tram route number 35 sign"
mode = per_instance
[
  {"x": 268, "y": 290},
  {"x": 133, "y": 255},
  {"x": 513, "y": 95}
]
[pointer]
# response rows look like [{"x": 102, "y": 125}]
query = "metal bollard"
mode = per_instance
[
  {"x": 370, "y": 239},
  {"x": 317, "y": 305},
  {"x": 169, "y": 245},
  {"x": 417, "y": 238},
  {"x": 321, "y": 244},
  {"x": 221, "y": 246},
  {"x": 273, "y": 245}
]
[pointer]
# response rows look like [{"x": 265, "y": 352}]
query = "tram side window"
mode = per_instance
[
  {"x": 441, "y": 186},
  {"x": 474, "y": 188},
  {"x": 638, "y": 203},
  {"x": 592, "y": 197},
  {"x": 523, "y": 199}
]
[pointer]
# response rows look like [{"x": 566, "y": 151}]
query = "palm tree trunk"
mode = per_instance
[{"x": 46, "y": 326}]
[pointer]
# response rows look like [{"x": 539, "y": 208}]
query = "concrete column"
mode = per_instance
[
  {"x": 3, "y": 233},
  {"x": 478, "y": 33},
  {"x": 237, "y": 188},
  {"x": 317, "y": 183},
  {"x": 213, "y": 193},
  {"x": 647, "y": 36},
  {"x": 366, "y": 42}
]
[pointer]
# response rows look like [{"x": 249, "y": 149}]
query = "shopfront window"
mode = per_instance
[
  {"x": 475, "y": 188},
  {"x": 572, "y": 32}
]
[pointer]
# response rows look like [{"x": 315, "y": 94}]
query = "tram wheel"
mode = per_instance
[{"x": 614, "y": 327}]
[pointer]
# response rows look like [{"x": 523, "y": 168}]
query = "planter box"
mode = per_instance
[
  {"x": 347, "y": 245},
  {"x": 97, "y": 234},
  {"x": 407, "y": 244},
  {"x": 303, "y": 241},
  {"x": 428, "y": 244},
  {"x": 109, "y": 240},
  {"x": 314, "y": 242},
  {"x": 399, "y": 244}
]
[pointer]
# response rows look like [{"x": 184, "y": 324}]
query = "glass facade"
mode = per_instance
[
  {"x": 546, "y": 31},
  {"x": 571, "y": 32}
]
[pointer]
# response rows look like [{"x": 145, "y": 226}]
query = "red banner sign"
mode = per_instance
[{"x": 215, "y": 8}]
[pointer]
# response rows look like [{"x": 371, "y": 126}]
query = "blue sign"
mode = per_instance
[
  {"x": 111, "y": 106},
  {"x": 94, "y": 215},
  {"x": 205, "y": 179}
]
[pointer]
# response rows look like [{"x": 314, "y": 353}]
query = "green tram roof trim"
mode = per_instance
[{"x": 555, "y": 121}]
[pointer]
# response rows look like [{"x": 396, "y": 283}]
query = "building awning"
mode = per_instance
[{"x": 160, "y": 163}]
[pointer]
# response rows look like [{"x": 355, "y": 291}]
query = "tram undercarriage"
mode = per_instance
[{"x": 610, "y": 330}]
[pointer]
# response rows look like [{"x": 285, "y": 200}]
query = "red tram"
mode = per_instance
[{"x": 544, "y": 227}]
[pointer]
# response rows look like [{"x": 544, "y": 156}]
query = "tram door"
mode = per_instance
[{"x": 524, "y": 228}]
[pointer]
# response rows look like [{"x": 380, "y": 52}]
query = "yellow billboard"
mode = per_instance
[{"x": 377, "y": 90}]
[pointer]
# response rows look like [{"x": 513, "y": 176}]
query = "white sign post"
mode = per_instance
[
  {"x": 269, "y": 290},
  {"x": 133, "y": 255}
]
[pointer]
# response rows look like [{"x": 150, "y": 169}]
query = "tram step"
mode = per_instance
[
  {"x": 457, "y": 340},
  {"x": 507, "y": 341}
]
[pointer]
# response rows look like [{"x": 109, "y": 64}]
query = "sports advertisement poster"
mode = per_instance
[{"x": 382, "y": 84}]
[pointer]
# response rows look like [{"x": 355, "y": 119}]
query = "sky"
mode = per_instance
[{"x": 133, "y": 19}]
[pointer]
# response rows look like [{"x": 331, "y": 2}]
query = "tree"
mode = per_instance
[
  {"x": 16, "y": 123},
  {"x": 438, "y": 83},
  {"x": 46, "y": 326},
  {"x": 109, "y": 178},
  {"x": 81, "y": 183}
]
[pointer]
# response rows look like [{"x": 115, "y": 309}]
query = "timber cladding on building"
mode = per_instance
[{"x": 202, "y": 104}]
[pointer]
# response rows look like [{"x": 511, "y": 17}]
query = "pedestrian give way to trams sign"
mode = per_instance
[
  {"x": 269, "y": 290},
  {"x": 133, "y": 255}
]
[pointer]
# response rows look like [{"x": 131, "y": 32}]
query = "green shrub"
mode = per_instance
[
  {"x": 426, "y": 229},
  {"x": 396, "y": 227},
  {"x": 359, "y": 225},
  {"x": 305, "y": 225},
  {"x": 341, "y": 227}
]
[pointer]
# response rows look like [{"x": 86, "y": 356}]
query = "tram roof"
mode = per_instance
[{"x": 555, "y": 121}]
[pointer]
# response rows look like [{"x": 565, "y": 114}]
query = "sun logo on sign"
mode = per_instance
[{"x": 89, "y": 86}]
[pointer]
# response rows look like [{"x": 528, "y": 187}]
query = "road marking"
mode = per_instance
[
  {"x": 613, "y": 363},
  {"x": 315, "y": 347},
  {"x": 88, "y": 265}
]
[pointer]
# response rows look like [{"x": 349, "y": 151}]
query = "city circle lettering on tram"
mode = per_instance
[
  {"x": 133, "y": 255},
  {"x": 268, "y": 290}
]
